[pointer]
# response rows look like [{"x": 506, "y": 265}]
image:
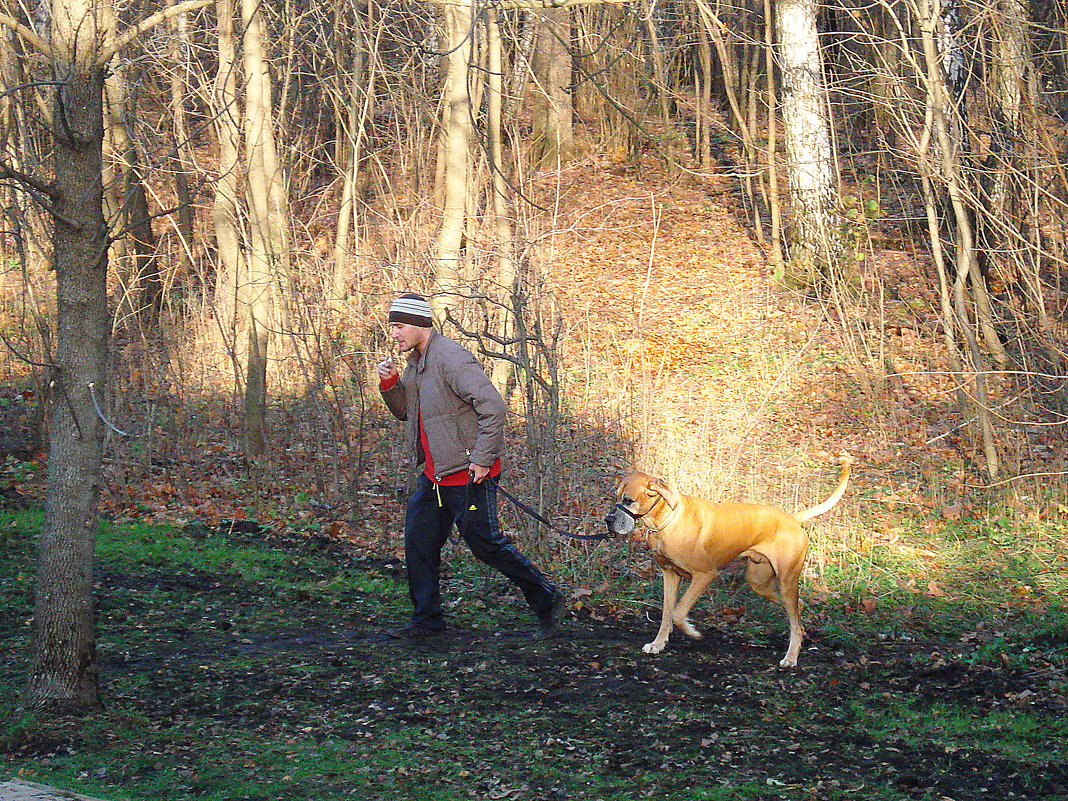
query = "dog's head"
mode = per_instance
[{"x": 636, "y": 496}]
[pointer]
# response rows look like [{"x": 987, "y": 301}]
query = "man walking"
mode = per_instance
[{"x": 455, "y": 430}]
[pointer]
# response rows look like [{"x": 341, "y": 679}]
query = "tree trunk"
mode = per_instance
[
  {"x": 226, "y": 210},
  {"x": 727, "y": 53},
  {"x": 182, "y": 154},
  {"x": 656, "y": 57},
  {"x": 815, "y": 243},
  {"x": 522, "y": 55},
  {"x": 703, "y": 112},
  {"x": 553, "y": 135},
  {"x": 506, "y": 272},
  {"x": 361, "y": 92},
  {"x": 944, "y": 137},
  {"x": 63, "y": 669},
  {"x": 457, "y": 135},
  {"x": 772, "y": 153},
  {"x": 130, "y": 218},
  {"x": 266, "y": 244}
]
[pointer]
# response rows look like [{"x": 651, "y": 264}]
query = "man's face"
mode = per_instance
[{"x": 409, "y": 336}]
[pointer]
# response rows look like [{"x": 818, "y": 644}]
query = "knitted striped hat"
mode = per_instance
[{"x": 411, "y": 309}]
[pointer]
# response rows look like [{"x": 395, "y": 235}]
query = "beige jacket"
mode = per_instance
[{"x": 463, "y": 414}]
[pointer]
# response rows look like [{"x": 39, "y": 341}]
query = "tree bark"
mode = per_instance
[
  {"x": 127, "y": 202},
  {"x": 815, "y": 243},
  {"x": 63, "y": 670},
  {"x": 267, "y": 231},
  {"x": 506, "y": 272},
  {"x": 360, "y": 97},
  {"x": 182, "y": 155},
  {"x": 553, "y": 134},
  {"x": 226, "y": 209},
  {"x": 772, "y": 151},
  {"x": 457, "y": 135},
  {"x": 63, "y": 675},
  {"x": 942, "y": 133}
]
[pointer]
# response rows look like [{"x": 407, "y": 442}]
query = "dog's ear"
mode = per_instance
[{"x": 665, "y": 491}]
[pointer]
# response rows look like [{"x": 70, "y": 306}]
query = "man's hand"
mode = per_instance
[
  {"x": 386, "y": 370},
  {"x": 479, "y": 473}
]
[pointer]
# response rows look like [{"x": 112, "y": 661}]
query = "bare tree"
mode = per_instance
[
  {"x": 553, "y": 137},
  {"x": 63, "y": 669},
  {"x": 226, "y": 208},
  {"x": 457, "y": 133}
]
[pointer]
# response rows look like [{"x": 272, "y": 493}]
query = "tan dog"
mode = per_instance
[{"x": 692, "y": 538}]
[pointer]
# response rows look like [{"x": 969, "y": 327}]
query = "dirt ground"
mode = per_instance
[{"x": 885, "y": 718}]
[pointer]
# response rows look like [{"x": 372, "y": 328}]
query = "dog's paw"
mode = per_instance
[
  {"x": 653, "y": 647},
  {"x": 688, "y": 629},
  {"x": 788, "y": 662}
]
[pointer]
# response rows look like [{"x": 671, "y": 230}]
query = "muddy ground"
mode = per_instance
[{"x": 500, "y": 715}]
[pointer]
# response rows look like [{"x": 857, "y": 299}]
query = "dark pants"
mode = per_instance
[{"x": 432, "y": 512}]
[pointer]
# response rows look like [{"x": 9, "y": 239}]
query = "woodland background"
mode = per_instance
[{"x": 720, "y": 241}]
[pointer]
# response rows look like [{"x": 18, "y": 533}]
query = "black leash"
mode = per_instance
[
  {"x": 541, "y": 519},
  {"x": 469, "y": 506}
]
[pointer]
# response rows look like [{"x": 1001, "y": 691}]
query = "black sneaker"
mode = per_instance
[
  {"x": 414, "y": 632},
  {"x": 549, "y": 621}
]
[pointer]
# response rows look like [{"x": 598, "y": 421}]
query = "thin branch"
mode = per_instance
[
  {"x": 29, "y": 181},
  {"x": 1021, "y": 477},
  {"x": 148, "y": 23},
  {"x": 36, "y": 189},
  {"x": 22, "y": 357},
  {"x": 100, "y": 413},
  {"x": 28, "y": 35},
  {"x": 543, "y": 383}
]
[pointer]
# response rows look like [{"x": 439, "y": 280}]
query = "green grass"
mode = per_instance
[{"x": 236, "y": 670}]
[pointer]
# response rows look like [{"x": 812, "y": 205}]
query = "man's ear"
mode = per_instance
[{"x": 666, "y": 491}]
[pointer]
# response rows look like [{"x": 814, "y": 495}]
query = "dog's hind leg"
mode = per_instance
[
  {"x": 788, "y": 586},
  {"x": 782, "y": 590},
  {"x": 671, "y": 591},
  {"x": 762, "y": 579}
]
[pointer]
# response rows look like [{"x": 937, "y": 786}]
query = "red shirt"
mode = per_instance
[{"x": 457, "y": 479}]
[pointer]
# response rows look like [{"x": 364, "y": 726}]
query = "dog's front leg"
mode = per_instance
[
  {"x": 671, "y": 591},
  {"x": 681, "y": 614}
]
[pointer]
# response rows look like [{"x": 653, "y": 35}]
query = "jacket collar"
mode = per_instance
[{"x": 418, "y": 360}]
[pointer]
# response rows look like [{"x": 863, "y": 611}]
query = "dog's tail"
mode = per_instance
[{"x": 834, "y": 497}]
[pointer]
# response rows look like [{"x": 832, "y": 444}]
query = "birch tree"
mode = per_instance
[{"x": 814, "y": 243}]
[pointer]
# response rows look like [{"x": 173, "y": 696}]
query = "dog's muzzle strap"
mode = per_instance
[
  {"x": 628, "y": 512},
  {"x": 634, "y": 515}
]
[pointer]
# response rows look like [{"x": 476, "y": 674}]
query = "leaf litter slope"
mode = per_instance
[
  {"x": 714, "y": 358},
  {"x": 683, "y": 313}
]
